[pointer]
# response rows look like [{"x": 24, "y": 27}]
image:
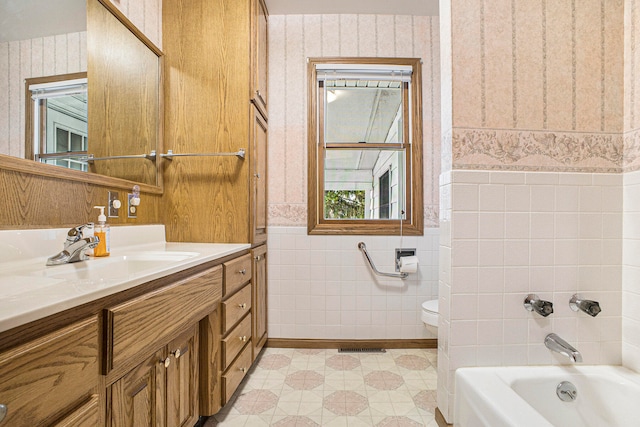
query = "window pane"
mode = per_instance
[
  {"x": 363, "y": 114},
  {"x": 352, "y": 171},
  {"x": 62, "y": 141}
]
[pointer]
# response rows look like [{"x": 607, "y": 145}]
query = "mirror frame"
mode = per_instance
[{"x": 36, "y": 168}]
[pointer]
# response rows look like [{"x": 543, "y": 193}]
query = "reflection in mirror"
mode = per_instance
[
  {"x": 50, "y": 38},
  {"x": 56, "y": 114},
  {"x": 124, "y": 98}
]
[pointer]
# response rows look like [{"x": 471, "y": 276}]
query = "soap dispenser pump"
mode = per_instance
[{"x": 102, "y": 230}]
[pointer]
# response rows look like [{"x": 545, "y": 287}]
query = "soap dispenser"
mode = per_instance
[{"x": 101, "y": 230}]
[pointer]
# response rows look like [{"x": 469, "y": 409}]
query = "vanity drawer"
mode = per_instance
[
  {"x": 236, "y": 372},
  {"x": 233, "y": 343},
  {"x": 235, "y": 307},
  {"x": 236, "y": 273},
  {"x": 48, "y": 378},
  {"x": 141, "y": 323}
]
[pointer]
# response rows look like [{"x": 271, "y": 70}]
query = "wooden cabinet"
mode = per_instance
[
  {"x": 216, "y": 59},
  {"x": 259, "y": 299},
  {"x": 52, "y": 380},
  {"x": 138, "y": 398},
  {"x": 259, "y": 180},
  {"x": 162, "y": 390},
  {"x": 160, "y": 332},
  {"x": 259, "y": 55}
]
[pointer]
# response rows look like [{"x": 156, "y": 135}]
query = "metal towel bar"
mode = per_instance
[
  {"x": 151, "y": 156},
  {"x": 363, "y": 248},
  {"x": 170, "y": 154}
]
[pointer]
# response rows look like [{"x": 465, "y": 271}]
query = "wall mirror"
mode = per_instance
[
  {"x": 365, "y": 146},
  {"x": 123, "y": 91}
]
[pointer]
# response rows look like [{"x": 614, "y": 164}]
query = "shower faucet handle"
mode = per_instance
[
  {"x": 592, "y": 308},
  {"x": 533, "y": 303}
]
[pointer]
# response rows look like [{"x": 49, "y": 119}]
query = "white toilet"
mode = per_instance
[{"x": 430, "y": 315}]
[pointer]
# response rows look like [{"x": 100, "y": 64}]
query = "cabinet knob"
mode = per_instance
[
  {"x": 243, "y": 271},
  {"x": 258, "y": 257},
  {"x": 243, "y": 338},
  {"x": 166, "y": 362},
  {"x": 243, "y": 305},
  {"x": 3, "y": 411},
  {"x": 243, "y": 370},
  {"x": 257, "y": 175},
  {"x": 176, "y": 353}
]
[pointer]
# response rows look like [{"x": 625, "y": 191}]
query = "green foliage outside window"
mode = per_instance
[{"x": 344, "y": 204}]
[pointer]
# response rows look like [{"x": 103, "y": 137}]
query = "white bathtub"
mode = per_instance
[{"x": 525, "y": 396}]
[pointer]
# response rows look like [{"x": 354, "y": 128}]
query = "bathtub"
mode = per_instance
[{"x": 525, "y": 396}]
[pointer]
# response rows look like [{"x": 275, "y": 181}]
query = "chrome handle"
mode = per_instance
[
  {"x": 243, "y": 305},
  {"x": 243, "y": 271},
  {"x": 176, "y": 353},
  {"x": 166, "y": 362},
  {"x": 243, "y": 338},
  {"x": 3, "y": 411}
]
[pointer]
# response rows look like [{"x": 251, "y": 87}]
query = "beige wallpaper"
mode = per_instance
[
  {"x": 294, "y": 38},
  {"x": 45, "y": 56},
  {"x": 538, "y": 85},
  {"x": 146, "y": 15}
]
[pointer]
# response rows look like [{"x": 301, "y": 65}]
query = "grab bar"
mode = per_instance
[{"x": 363, "y": 248}]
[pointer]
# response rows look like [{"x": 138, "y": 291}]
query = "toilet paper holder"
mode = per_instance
[
  {"x": 402, "y": 252},
  {"x": 363, "y": 248}
]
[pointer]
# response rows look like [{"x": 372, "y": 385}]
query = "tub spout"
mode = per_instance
[{"x": 554, "y": 343}]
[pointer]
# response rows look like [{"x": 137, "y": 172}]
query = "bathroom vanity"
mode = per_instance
[{"x": 156, "y": 334}]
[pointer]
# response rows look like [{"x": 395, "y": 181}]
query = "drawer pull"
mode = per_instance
[
  {"x": 176, "y": 353},
  {"x": 166, "y": 362},
  {"x": 243, "y": 305},
  {"x": 243, "y": 271},
  {"x": 3, "y": 412},
  {"x": 243, "y": 370},
  {"x": 243, "y": 338}
]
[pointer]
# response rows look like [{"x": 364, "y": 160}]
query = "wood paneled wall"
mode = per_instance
[
  {"x": 34, "y": 201},
  {"x": 206, "y": 45}
]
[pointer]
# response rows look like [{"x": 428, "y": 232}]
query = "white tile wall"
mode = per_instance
[
  {"x": 553, "y": 234},
  {"x": 631, "y": 272},
  {"x": 321, "y": 287}
]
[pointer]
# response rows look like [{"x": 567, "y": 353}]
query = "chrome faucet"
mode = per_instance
[
  {"x": 533, "y": 303},
  {"x": 592, "y": 308},
  {"x": 75, "y": 247},
  {"x": 554, "y": 343}
]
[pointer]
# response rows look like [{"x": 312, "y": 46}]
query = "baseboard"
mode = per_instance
[
  {"x": 440, "y": 419},
  {"x": 321, "y": 343}
]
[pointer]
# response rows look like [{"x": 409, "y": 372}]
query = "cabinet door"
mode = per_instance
[
  {"x": 138, "y": 398},
  {"x": 182, "y": 380},
  {"x": 48, "y": 378},
  {"x": 260, "y": 55},
  {"x": 259, "y": 299},
  {"x": 259, "y": 179}
]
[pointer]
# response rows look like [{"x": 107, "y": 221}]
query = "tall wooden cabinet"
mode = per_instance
[{"x": 215, "y": 101}]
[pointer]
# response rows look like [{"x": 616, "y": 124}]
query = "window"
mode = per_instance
[
  {"x": 365, "y": 146},
  {"x": 57, "y": 118}
]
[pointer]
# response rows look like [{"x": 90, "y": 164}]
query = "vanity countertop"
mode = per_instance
[{"x": 29, "y": 290}]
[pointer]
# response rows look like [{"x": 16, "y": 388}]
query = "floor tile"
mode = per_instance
[{"x": 317, "y": 387}]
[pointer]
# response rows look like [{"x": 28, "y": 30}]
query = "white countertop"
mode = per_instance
[{"x": 29, "y": 290}]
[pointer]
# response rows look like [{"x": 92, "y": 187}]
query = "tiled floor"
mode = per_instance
[{"x": 309, "y": 387}]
